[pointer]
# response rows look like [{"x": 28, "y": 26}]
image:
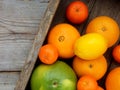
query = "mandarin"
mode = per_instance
[
  {"x": 87, "y": 82},
  {"x": 48, "y": 54},
  {"x": 77, "y": 12}
]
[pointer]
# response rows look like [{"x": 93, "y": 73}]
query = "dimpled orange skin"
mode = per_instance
[
  {"x": 113, "y": 79},
  {"x": 87, "y": 82},
  {"x": 63, "y": 36},
  {"x": 96, "y": 68}
]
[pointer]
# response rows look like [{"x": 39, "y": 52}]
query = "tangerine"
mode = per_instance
[
  {"x": 87, "y": 82},
  {"x": 77, "y": 12},
  {"x": 48, "y": 54}
]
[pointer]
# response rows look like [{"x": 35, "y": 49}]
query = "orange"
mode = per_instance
[
  {"x": 116, "y": 53},
  {"x": 99, "y": 88},
  {"x": 107, "y": 27},
  {"x": 96, "y": 68},
  {"x": 63, "y": 36},
  {"x": 77, "y": 12},
  {"x": 87, "y": 82},
  {"x": 48, "y": 54},
  {"x": 113, "y": 79},
  {"x": 90, "y": 46}
]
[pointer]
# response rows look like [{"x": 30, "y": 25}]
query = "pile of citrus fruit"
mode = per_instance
[{"x": 88, "y": 64}]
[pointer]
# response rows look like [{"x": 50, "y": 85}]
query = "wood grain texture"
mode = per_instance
[
  {"x": 20, "y": 18},
  {"x": 39, "y": 39},
  {"x": 8, "y": 80},
  {"x": 19, "y": 22}
]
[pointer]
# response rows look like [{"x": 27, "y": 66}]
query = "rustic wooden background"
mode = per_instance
[{"x": 19, "y": 21}]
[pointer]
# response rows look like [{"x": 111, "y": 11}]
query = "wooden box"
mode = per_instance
[{"x": 55, "y": 14}]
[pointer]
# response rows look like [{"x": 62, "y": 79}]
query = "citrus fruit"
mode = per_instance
[
  {"x": 57, "y": 76},
  {"x": 48, "y": 54},
  {"x": 96, "y": 68},
  {"x": 77, "y": 12},
  {"x": 90, "y": 46},
  {"x": 107, "y": 27},
  {"x": 87, "y": 82},
  {"x": 63, "y": 36},
  {"x": 116, "y": 53},
  {"x": 113, "y": 79}
]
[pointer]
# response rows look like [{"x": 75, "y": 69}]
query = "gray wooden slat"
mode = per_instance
[
  {"x": 39, "y": 39},
  {"x": 8, "y": 80},
  {"x": 13, "y": 54},
  {"x": 19, "y": 23},
  {"x": 35, "y": 0},
  {"x": 20, "y": 16},
  {"x": 40, "y": 0}
]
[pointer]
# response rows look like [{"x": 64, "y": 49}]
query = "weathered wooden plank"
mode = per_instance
[
  {"x": 19, "y": 22},
  {"x": 39, "y": 39},
  {"x": 13, "y": 54},
  {"x": 8, "y": 80},
  {"x": 109, "y": 8},
  {"x": 35, "y": 0},
  {"x": 20, "y": 16},
  {"x": 42, "y": 0}
]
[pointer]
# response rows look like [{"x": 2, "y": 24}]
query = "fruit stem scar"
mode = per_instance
[
  {"x": 103, "y": 29},
  {"x": 90, "y": 66},
  {"x": 77, "y": 10},
  {"x": 61, "y": 38},
  {"x": 55, "y": 84}
]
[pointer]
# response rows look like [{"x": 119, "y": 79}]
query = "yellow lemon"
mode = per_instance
[{"x": 90, "y": 46}]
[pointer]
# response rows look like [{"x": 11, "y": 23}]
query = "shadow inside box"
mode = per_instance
[
  {"x": 38, "y": 62},
  {"x": 28, "y": 87}
]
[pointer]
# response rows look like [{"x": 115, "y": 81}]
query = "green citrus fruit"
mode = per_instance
[
  {"x": 57, "y": 76},
  {"x": 90, "y": 46}
]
